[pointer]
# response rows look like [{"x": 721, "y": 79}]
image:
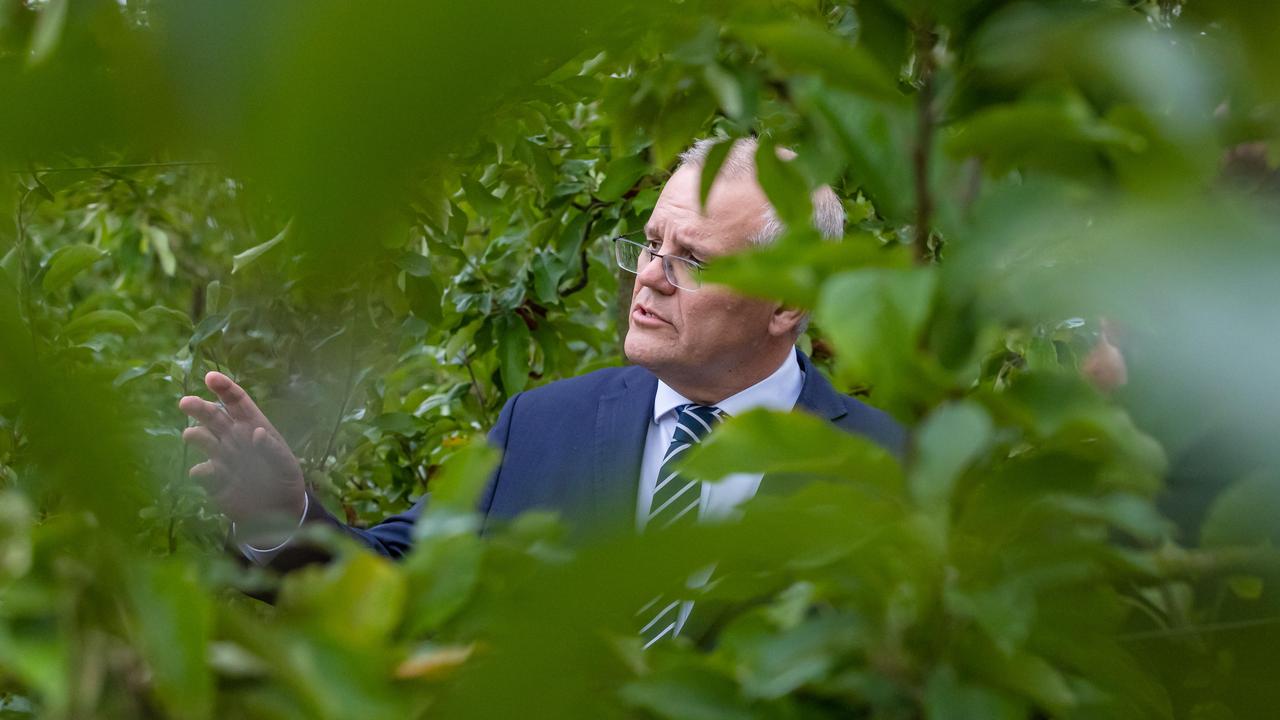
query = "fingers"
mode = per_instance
[
  {"x": 237, "y": 401},
  {"x": 276, "y": 452},
  {"x": 203, "y": 439},
  {"x": 206, "y": 413},
  {"x": 211, "y": 475}
]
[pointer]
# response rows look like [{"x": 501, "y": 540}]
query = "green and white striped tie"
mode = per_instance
[{"x": 675, "y": 500}]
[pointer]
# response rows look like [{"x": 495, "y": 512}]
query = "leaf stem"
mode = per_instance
[{"x": 926, "y": 38}]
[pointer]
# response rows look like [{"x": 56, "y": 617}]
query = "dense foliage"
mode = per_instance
[{"x": 386, "y": 218}]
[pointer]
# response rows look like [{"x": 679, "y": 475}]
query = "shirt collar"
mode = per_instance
[{"x": 779, "y": 391}]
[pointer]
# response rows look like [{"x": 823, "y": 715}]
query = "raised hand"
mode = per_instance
[{"x": 251, "y": 474}]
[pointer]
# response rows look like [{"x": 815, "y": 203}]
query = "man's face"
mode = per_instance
[{"x": 698, "y": 338}]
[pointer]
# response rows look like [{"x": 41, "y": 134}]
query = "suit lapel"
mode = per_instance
[{"x": 622, "y": 424}]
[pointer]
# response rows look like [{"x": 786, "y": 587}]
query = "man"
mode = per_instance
[{"x": 595, "y": 447}]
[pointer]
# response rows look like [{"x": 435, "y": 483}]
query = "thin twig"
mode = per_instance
[
  {"x": 926, "y": 38},
  {"x": 475, "y": 385},
  {"x": 126, "y": 166},
  {"x": 342, "y": 409},
  {"x": 1197, "y": 629}
]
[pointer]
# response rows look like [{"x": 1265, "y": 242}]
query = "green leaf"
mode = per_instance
[
  {"x": 99, "y": 321},
  {"x": 513, "y": 353},
  {"x": 621, "y": 175},
  {"x": 726, "y": 89},
  {"x": 485, "y": 204},
  {"x": 160, "y": 243},
  {"x": 775, "y": 442},
  {"x": 949, "y": 440},
  {"x": 48, "y": 31},
  {"x": 772, "y": 664},
  {"x": 160, "y": 313},
  {"x": 213, "y": 297},
  {"x": 804, "y": 46},
  {"x": 248, "y": 257},
  {"x": 174, "y": 618},
  {"x": 209, "y": 326},
  {"x": 547, "y": 271},
  {"x": 425, "y": 298},
  {"x": 414, "y": 264},
  {"x": 876, "y": 138},
  {"x": 1246, "y": 587},
  {"x": 711, "y": 168},
  {"x": 443, "y": 574},
  {"x": 1244, "y": 514},
  {"x": 67, "y": 262},
  {"x": 786, "y": 187},
  {"x": 135, "y": 372},
  {"x": 1054, "y": 134},
  {"x": 689, "y": 693},
  {"x": 680, "y": 120},
  {"x": 875, "y": 317},
  {"x": 794, "y": 268},
  {"x": 358, "y": 599},
  {"x": 464, "y": 476},
  {"x": 396, "y": 423},
  {"x": 947, "y": 698}
]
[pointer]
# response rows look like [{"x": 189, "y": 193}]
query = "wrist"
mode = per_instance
[{"x": 273, "y": 533}]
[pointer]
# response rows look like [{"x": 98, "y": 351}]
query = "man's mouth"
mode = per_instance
[{"x": 645, "y": 316}]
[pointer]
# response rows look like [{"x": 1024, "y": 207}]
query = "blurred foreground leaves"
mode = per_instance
[{"x": 388, "y": 219}]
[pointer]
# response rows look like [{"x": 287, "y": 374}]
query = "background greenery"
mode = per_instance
[{"x": 386, "y": 218}]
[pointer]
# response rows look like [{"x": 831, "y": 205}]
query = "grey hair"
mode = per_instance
[{"x": 828, "y": 212}]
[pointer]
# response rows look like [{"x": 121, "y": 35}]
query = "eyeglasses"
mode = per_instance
[{"x": 681, "y": 272}]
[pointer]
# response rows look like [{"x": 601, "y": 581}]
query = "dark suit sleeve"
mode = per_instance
[{"x": 392, "y": 537}]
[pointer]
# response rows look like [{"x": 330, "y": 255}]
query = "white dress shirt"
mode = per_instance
[{"x": 779, "y": 391}]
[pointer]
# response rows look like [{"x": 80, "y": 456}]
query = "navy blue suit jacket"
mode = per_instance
[{"x": 575, "y": 446}]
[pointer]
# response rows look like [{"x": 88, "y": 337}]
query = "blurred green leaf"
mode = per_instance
[
  {"x": 711, "y": 168},
  {"x": 100, "y": 321},
  {"x": 160, "y": 242},
  {"x": 805, "y": 47},
  {"x": 464, "y": 476},
  {"x": 687, "y": 694},
  {"x": 67, "y": 262},
  {"x": 175, "y": 622},
  {"x": 159, "y": 313},
  {"x": 949, "y": 440},
  {"x": 785, "y": 186},
  {"x": 48, "y": 31},
  {"x": 621, "y": 175},
  {"x": 774, "y": 442},
  {"x": 1244, "y": 514},
  {"x": 248, "y": 257},
  {"x": 1057, "y": 134},
  {"x": 947, "y": 698}
]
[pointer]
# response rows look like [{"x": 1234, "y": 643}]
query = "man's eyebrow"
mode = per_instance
[{"x": 682, "y": 239}]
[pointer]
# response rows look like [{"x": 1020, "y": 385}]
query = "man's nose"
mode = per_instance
[{"x": 653, "y": 276}]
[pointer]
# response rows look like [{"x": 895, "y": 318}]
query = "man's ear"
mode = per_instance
[{"x": 786, "y": 321}]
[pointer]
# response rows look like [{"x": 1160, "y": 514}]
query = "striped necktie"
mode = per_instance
[{"x": 675, "y": 500}]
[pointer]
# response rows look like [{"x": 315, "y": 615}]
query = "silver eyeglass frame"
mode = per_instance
[{"x": 668, "y": 262}]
